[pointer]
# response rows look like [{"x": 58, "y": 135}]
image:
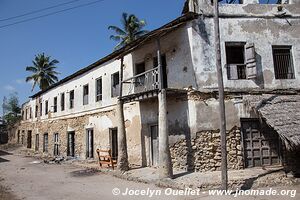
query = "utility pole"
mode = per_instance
[
  {"x": 221, "y": 97},
  {"x": 123, "y": 164}
]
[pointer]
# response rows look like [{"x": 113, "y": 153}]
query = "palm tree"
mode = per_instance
[
  {"x": 43, "y": 71},
  {"x": 131, "y": 30}
]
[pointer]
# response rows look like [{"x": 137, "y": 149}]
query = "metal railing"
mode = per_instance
[{"x": 143, "y": 82}]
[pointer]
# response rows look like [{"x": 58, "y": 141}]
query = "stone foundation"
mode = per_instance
[{"x": 203, "y": 152}]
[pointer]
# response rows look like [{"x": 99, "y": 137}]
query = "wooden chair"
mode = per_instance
[{"x": 106, "y": 158}]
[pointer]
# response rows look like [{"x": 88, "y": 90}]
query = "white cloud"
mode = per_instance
[
  {"x": 9, "y": 88},
  {"x": 20, "y": 81}
]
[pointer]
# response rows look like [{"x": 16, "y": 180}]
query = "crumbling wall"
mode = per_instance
[{"x": 203, "y": 152}]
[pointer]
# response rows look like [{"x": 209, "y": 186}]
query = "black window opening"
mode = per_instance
[
  {"x": 30, "y": 113},
  {"x": 45, "y": 143},
  {"x": 115, "y": 84},
  {"x": 71, "y": 144},
  {"x": 46, "y": 107},
  {"x": 18, "y": 136},
  {"x": 235, "y": 59},
  {"x": 89, "y": 143},
  {"x": 113, "y": 140},
  {"x": 41, "y": 109},
  {"x": 85, "y": 94},
  {"x": 283, "y": 62},
  {"x": 62, "y": 101},
  {"x": 36, "y": 111},
  {"x": 163, "y": 61},
  {"x": 55, "y": 104},
  {"x": 71, "y": 99},
  {"x": 56, "y": 145},
  {"x": 98, "y": 89},
  {"x": 139, "y": 69},
  {"x": 29, "y": 139}
]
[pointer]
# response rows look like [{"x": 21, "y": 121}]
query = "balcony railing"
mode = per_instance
[{"x": 146, "y": 81}]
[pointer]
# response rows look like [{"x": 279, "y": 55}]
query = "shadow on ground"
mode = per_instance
[
  {"x": 84, "y": 173},
  {"x": 4, "y": 153},
  {"x": 250, "y": 181}
]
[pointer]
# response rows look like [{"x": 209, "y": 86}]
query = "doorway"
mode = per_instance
[
  {"x": 56, "y": 145},
  {"x": 45, "y": 143},
  {"x": 154, "y": 145},
  {"x": 37, "y": 142},
  {"x": 89, "y": 143},
  {"x": 71, "y": 144},
  {"x": 113, "y": 140},
  {"x": 29, "y": 139}
]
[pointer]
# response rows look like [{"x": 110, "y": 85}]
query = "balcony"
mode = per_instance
[{"x": 141, "y": 86}]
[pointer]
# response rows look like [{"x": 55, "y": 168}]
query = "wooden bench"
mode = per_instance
[{"x": 106, "y": 158}]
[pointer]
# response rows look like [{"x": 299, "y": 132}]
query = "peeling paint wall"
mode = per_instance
[{"x": 246, "y": 23}]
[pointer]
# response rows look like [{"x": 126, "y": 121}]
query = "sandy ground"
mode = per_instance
[{"x": 30, "y": 179}]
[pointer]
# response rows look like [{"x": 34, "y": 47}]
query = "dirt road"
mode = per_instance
[{"x": 31, "y": 179}]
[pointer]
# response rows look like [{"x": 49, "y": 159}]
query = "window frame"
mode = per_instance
[
  {"x": 98, "y": 97},
  {"x": 71, "y": 100},
  {"x": 288, "y": 68},
  {"x": 85, "y": 102}
]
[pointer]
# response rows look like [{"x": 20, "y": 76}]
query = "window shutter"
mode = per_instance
[
  {"x": 232, "y": 68},
  {"x": 250, "y": 61}
]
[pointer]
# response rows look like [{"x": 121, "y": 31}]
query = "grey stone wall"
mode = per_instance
[{"x": 203, "y": 152}]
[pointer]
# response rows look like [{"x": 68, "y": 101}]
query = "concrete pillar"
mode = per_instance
[
  {"x": 165, "y": 165},
  {"x": 250, "y": 1},
  {"x": 122, "y": 143}
]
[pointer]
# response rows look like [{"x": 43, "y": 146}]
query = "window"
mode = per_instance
[
  {"x": 45, "y": 143},
  {"x": 236, "y": 67},
  {"x": 115, "y": 84},
  {"x": 98, "y": 89},
  {"x": 55, "y": 105},
  {"x": 71, "y": 99},
  {"x": 46, "y": 107},
  {"x": 36, "y": 111},
  {"x": 283, "y": 64},
  {"x": 41, "y": 109},
  {"x": 62, "y": 101},
  {"x": 30, "y": 112},
  {"x": 85, "y": 94},
  {"x": 240, "y": 59}
]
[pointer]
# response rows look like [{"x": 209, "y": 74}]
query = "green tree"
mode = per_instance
[
  {"x": 43, "y": 71},
  {"x": 132, "y": 28},
  {"x": 12, "y": 110}
]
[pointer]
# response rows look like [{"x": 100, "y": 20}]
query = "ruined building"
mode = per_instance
[{"x": 168, "y": 84}]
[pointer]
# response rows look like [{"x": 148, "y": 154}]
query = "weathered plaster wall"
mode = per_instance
[
  {"x": 175, "y": 45},
  {"x": 100, "y": 122},
  {"x": 257, "y": 24}
]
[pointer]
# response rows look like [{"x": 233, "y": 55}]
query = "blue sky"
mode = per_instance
[{"x": 76, "y": 38}]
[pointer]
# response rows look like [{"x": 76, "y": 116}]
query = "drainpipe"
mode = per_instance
[
  {"x": 165, "y": 165},
  {"x": 123, "y": 164}
]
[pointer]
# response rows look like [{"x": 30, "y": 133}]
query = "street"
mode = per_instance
[{"x": 31, "y": 179}]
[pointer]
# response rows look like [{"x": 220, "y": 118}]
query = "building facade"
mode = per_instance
[{"x": 260, "y": 50}]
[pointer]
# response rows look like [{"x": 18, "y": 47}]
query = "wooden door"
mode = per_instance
[{"x": 261, "y": 144}]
